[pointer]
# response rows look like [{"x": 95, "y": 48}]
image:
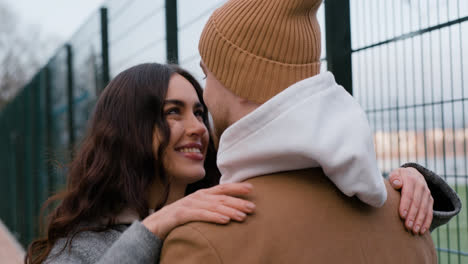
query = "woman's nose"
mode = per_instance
[{"x": 195, "y": 126}]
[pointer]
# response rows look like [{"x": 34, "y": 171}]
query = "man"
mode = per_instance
[{"x": 305, "y": 146}]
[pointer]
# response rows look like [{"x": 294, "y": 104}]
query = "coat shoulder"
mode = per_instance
[
  {"x": 301, "y": 216},
  {"x": 190, "y": 242}
]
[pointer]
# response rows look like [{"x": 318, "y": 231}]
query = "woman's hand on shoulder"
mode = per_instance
[
  {"x": 416, "y": 200},
  {"x": 217, "y": 204}
]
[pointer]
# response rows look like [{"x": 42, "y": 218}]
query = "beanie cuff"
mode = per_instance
[{"x": 248, "y": 76}]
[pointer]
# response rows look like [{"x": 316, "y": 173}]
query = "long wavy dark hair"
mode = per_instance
[{"x": 116, "y": 164}]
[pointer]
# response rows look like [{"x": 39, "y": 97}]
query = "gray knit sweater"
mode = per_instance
[
  {"x": 120, "y": 244},
  {"x": 136, "y": 244}
]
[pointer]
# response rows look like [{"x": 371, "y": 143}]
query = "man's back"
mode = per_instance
[{"x": 302, "y": 218}]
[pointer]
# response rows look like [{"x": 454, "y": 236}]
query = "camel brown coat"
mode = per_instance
[{"x": 302, "y": 218}]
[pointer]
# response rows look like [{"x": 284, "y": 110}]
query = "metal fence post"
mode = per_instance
[
  {"x": 36, "y": 156},
  {"x": 172, "y": 45},
  {"x": 104, "y": 50},
  {"x": 27, "y": 152},
  {"x": 338, "y": 42},
  {"x": 42, "y": 173},
  {"x": 13, "y": 176},
  {"x": 19, "y": 149},
  {"x": 71, "y": 125},
  {"x": 49, "y": 129}
]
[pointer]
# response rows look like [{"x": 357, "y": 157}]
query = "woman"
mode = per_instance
[{"x": 147, "y": 147}]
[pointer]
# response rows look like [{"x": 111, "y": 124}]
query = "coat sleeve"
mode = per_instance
[
  {"x": 188, "y": 245},
  {"x": 136, "y": 245},
  {"x": 447, "y": 204}
]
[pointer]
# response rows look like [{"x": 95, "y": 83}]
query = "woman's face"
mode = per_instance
[{"x": 185, "y": 154}]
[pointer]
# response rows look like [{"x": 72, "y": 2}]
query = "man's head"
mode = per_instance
[
  {"x": 225, "y": 107},
  {"x": 255, "y": 49}
]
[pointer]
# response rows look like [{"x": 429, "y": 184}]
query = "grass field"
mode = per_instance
[{"x": 454, "y": 235}]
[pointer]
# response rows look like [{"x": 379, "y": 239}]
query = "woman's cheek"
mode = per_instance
[
  {"x": 206, "y": 139},
  {"x": 156, "y": 142},
  {"x": 177, "y": 129}
]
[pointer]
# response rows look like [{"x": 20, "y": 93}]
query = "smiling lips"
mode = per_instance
[
  {"x": 189, "y": 150},
  {"x": 192, "y": 151}
]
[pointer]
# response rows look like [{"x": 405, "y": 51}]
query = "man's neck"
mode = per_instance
[{"x": 242, "y": 109}]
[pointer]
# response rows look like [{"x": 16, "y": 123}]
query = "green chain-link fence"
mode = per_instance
[{"x": 405, "y": 61}]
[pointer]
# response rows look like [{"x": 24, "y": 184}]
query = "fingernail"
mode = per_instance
[
  {"x": 241, "y": 215},
  {"x": 248, "y": 185},
  {"x": 396, "y": 182},
  {"x": 416, "y": 229},
  {"x": 225, "y": 218},
  {"x": 250, "y": 206},
  {"x": 405, "y": 212},
  {"x": 423, "y": 230},
  {"x": 410, "y": 224}
]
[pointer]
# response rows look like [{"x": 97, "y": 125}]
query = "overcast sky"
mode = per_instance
[{"x": 59, "y": 18}]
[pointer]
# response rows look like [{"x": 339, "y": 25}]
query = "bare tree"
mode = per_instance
[{"x": 22, "y": 51}]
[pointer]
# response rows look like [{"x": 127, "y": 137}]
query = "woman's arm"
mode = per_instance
[
  {"x": 136, "y": 245},
  {"x": 141, "y": 242},
  {"x": 218, "y": 204},
  {"x": 427, "y": 201}
]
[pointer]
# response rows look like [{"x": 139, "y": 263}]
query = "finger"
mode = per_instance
[
  {"x": 415, "y": 205},
  {"x": 207, "y": 216},
  {"x": 395, "y": 179},
  {"x": 430, "y": 214},
  {"x": 215, "y": 206},
  {"x": 406, "y": 199},
  {"x": 233, "y": 202},
  {"x": 231, "y": 189},
  {"x": 422, "y": 213},
  {"x": 228, "y": 211}
]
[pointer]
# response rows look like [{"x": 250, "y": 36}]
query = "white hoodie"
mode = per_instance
[{"x": 313, "y": 123}]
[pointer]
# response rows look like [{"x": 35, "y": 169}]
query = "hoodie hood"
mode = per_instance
[{"x": 313, "y": 123}]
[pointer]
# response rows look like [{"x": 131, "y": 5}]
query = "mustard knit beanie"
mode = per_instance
[{"x": 258, "y": 48}]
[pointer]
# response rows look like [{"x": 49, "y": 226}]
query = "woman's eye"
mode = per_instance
[
  {"x": 172, "y": 111},
  {"x": 199, "y": 113}
]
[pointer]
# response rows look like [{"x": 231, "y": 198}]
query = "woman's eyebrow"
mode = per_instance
[
  {"x": 198, "y": 105},
  {"x": 174, "y": 101},
  {"x": 181, "y": 103}
]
